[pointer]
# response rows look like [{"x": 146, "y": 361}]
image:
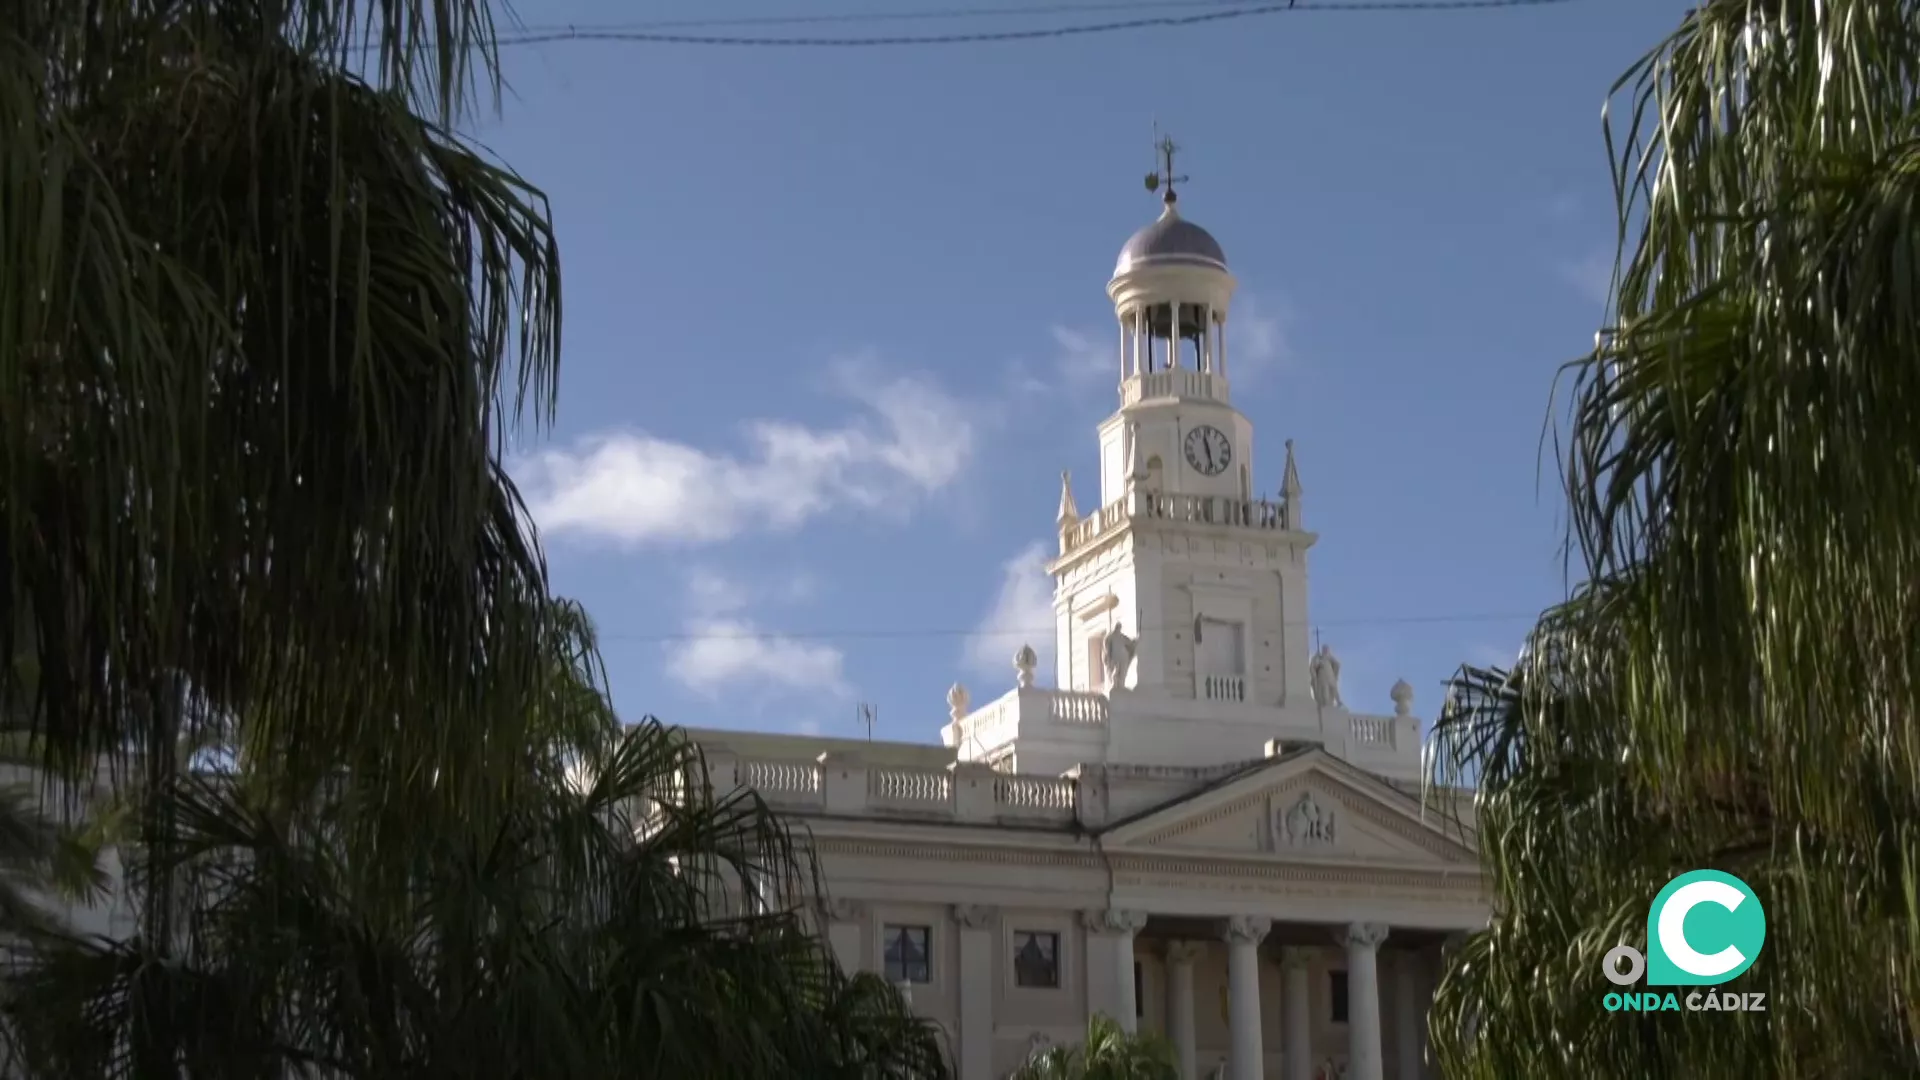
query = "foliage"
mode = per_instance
[
  {"x": 1109, "y": 1053},
  {"x": 266, "y": 324},
  {"x": 596, "y": 929},
  {"x": 1734, "y": 684},
  {"x": 262, "y": 329}
]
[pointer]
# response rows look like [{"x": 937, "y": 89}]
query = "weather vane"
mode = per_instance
[{"x": 1163, "y": 175}]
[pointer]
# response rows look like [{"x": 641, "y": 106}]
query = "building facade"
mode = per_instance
[{"x": 1191, "y": 830}]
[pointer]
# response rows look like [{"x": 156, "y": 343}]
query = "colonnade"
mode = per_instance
[{"x": 1111, "y": 938}]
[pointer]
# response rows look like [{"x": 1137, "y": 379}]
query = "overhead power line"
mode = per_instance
[
  {"x": 1036, "y": 633},
  {"x": 663, "y": 33}
]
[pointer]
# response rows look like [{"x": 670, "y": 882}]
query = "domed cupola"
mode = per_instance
[
  {"x": 1171, "y": 241},
  {"x": 1171, "y": 289}
]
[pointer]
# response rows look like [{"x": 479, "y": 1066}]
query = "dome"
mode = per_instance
[{"x": 1172, "y": 240}]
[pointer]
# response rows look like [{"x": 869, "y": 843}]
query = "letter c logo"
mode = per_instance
[{"x": 1725, "y": 913}]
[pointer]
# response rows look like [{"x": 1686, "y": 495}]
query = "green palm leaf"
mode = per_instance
[{"x": 1733, "y": 686}]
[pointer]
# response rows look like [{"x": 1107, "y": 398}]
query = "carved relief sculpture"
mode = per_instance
[
  {"x": 973, "y": 916},
  {"x": 1305, "y": 824}
]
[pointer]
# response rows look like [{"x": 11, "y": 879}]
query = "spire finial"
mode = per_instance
[{"x": 1163, "y": 175}]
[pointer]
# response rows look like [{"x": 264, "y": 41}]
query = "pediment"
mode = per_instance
[{"x": 1310, "y": 806}]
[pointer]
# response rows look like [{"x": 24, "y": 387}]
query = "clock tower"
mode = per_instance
[{"x": 1205, "y": 579}]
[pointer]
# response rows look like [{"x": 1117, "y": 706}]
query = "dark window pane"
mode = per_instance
[
  {"x": 1139, "y": 1000},
  {"x": 1337, "y": 991},
  {"x": 909, "y": 960},
  {"x": 1036, "y": 959}
]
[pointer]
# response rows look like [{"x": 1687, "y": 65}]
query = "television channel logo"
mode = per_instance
[{"x": 1704, "y": 928}]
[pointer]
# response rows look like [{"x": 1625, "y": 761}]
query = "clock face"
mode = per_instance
[{"x": 1208, "y": 451}]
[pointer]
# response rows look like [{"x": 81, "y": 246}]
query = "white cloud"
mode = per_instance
[
  {"x": 1257, "y": 339},
  {"x": 724, "y": 651},
  {"x": 1022, "y": 614},
  {"x": 733, "y": 654},
  {"x": 634, "y": 488},
  {"x": 1084, "y": 361}
]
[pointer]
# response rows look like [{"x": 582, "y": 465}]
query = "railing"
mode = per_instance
[
  {"x": 1372, "y": 730},
  {"x": 1044, "y": 794},
  {"x": 772, "y": 778},
  {"x": 1178, "y": 382},
  {"x": 1219, "y": 510},
  {"x": 1223, "y": 687},
  {"x": 908, "y": 787},
  {"x": 1077, "y": 707},
  {"x": 795, "y": 785},
  {"x": 1107, "y": 517}
]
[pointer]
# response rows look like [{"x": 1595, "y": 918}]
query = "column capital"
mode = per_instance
[
  {"x": 1113, "y": 921},
  {"x": 1247, "y": 929},
  {"x": 1186, "y": 952},
  {"x": 840, "y": 909},
  {"x": 974, "y": 916},
  {"x": 1295, "y": 957},
  {"x": 1362, "y": 935}
]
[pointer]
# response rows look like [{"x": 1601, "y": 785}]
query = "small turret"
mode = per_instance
[{"x": 1290, "y": 489}]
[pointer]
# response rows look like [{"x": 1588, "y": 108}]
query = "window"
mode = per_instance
[
  {"x": 1139, "y": 1002},
  {"x": 1036, "y": 959},
  {"x": 1097, "y": 662},
  {"x": 909, "y": 959},
  {"x": 1337, "y": 992}
]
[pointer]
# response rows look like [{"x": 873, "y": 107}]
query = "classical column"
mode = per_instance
[
  {"x": 1110, "y": 964},
  {"x": 1410, "y": 1014},
  {"x": 1181, "y": 956},
  {"x": 1363, "y": 1000},
  {"x": 976, "y": 990},
  {"x": 844, "y": 918},
  {"x": 1244, "y": 934},
  {"x": 1296, "y": 1009}
]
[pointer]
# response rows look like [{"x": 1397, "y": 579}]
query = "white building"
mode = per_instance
[{"x": 1191, "y": 831}]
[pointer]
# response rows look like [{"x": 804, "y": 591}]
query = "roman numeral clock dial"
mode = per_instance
[{"x": 1208, "y": 450}]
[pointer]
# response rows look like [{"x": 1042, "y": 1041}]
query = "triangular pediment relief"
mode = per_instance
[{"x": 1309, "y": 806}]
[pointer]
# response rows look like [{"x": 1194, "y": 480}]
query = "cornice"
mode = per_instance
[{"x": 1192, "y": 869}]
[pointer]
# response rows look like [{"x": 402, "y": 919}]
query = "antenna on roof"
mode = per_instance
[{"x": 867, "y": 714}]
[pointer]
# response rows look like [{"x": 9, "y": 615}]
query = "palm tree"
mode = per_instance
[
  {"x": 266, "y": 323},
  {"x": 263, "y": 330},
  {"x": 1733, "y": 685},
  {"x": 596, "y": 929},
  {"x": 1109, "y": 1053}
]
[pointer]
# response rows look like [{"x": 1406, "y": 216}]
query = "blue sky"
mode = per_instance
[{"x": 835, "y": 322}]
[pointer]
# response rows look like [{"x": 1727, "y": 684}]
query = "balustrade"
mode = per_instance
[
  {"x": 1218, "y": 510},
  {"x": 1223, "y": 687},
  {"x": 1372, "y": 730},
  {"x": 1033, "y": 793},
  {"x": 1173, "y": 383},
  {"x": 800, "y": 785},
  {"x": 1077, "y": 707},
  {"x": 910, "y": 786}
]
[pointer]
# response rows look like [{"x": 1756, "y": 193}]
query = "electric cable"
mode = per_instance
[
  {"x": 1035, "y": 632},
  {"x": 554, "y": 35}
]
